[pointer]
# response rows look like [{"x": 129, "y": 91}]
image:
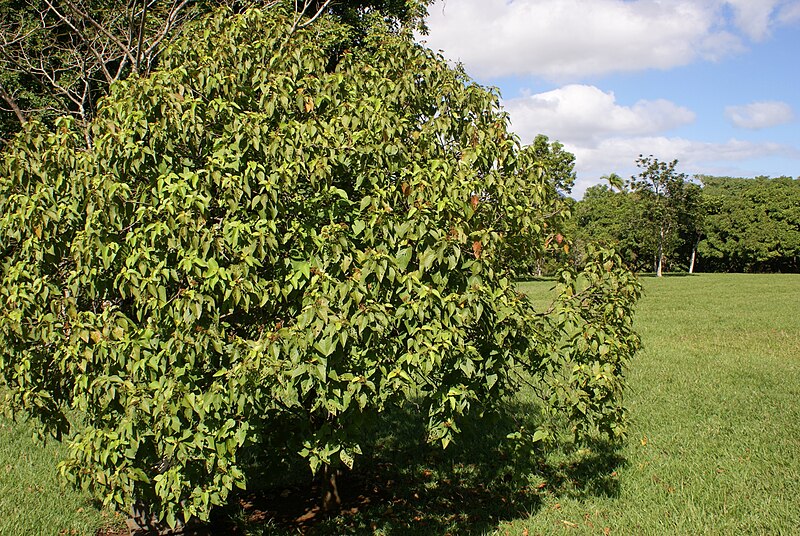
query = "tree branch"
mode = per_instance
[
  {"x": 306, "y": 5},
  {"x": 13, "y": 104},
  {"x": 164, "y": 32},
  {"x": 102, "y": 29}
]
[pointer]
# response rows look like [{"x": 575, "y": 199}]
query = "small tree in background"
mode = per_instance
[
  {"x": 661, "y": 191},
  {"x": 282, "y": 233}
]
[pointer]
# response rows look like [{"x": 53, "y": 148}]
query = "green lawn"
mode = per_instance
[
  {"x": 32, "y": 500},
  {"x": 714, "y": 445},
  {"x": 715, "y": 401}
]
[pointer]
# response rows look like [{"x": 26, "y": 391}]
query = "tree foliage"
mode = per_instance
[
  {"x": 723, "y": 224},
  {"x": 654, "y": 221},
  {"x": 615, "y": 219},
  {"x": 534, "y": 257},
  {"x": 661, "y": 193},
  {"x": 61, "y": 56},
  {"x": 274, "y": 238},
  {"x": 751, "y": 225}
]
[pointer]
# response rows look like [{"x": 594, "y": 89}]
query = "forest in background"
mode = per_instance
[{"x": 713, "y": 224}]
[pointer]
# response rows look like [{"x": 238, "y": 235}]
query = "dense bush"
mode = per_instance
[{"x": 271, "y": 241}]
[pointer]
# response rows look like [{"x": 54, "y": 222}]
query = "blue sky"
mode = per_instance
[{"x": 713, "y": 83}]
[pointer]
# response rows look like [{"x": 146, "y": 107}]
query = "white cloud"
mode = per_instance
[
  {"x": 758, "y": 115},
  {"x": 753, "y": 17},
  {"x": 585, "y": 114},
  {"x": 606, "y": 136},
  {"x": 573, "y": 39},
  {"x": 618, "y": 155},
  {"x": 790, "y": 13}
]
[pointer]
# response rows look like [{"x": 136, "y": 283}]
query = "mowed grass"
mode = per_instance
[
  {"x": 715, "y": 402},
  {"x": 714, "y": 445},
  {"x": 32, "y": 499}
]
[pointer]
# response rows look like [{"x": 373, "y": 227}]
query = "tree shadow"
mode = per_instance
[
  {"x": 666, "y": 274},
  {"x": 401, "y": 485}
]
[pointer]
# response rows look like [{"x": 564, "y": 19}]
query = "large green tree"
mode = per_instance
[
  {"x": 274, "y": 238},
  {"x": 751, "y": 225}
]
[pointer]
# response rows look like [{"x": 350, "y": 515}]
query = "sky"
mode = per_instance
[{"x": 714, "y": 84}]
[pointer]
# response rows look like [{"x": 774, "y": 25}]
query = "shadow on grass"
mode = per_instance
[
  {"x": 403, "y": 486},
  {"x": 666, "y": 274}
]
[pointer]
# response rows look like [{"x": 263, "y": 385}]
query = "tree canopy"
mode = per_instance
[
  {"x": 751, "y": 225},
  {"x": 61, "y": 56},
  {"x": 719, "y": 224}
]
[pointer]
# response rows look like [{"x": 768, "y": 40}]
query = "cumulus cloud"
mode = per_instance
[
  {"x": 758, "y": 115},
  {"x": 586, "y": 114},
  {"x": 695, "y": 157},
  {"x": 606, "y": 136},
  {"x": 790, "y": 13},
  {"x": 753, "y": 17},
  {"x": 572, "y": 39}
]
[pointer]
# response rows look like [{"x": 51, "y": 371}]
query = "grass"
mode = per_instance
[
  {"x": 32, "y": 500},
  {"x": 715, "y": 442},
  {"x": 714, "y": 446}
]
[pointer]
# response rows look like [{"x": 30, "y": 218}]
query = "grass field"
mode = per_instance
[
  {"x": 714, "y": 445},
  {"x": 715, "y": 401}
]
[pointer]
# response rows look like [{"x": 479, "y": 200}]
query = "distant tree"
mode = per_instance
[
  {"x": 614, "y": 218},
  {"x": 692, "y": 211},
  {"x": 557, "y": 163},
  {"x": 615, "y": 182},
  {"x": 556, "y": 167},
  {"x": 660, "y": 191}
]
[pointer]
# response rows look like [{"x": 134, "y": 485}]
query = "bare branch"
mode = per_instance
[
  {"x": 13, "y": 104},
  {"x": 102, "y": 29},
  {"x": 306, "y": 5},
  {"x": 169, "y": 23},
  {"x": 142, "y": 20}
]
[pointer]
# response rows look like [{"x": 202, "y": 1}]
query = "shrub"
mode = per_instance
[{"x": 271, "y": 241}]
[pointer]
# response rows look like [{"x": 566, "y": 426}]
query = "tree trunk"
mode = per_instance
[
  {"x": 694, "y": 256},
  {"x": 660, "y": 253},
  {"x": 330, "y": 495}
]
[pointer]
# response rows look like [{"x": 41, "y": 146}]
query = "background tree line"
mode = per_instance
[{"x": 660, "y": 220}]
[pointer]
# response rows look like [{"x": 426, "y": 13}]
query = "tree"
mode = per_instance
[
  {"x": 275, "y": 237},
  {"x": 616, "y": 220},
  {"x": 556, "y": 167},
  {"x": 691, "y": 222},
  {"x": 751, "y": 225},
  {"x": 661, "y": 190},
  {"x": 61, "y": 56},
  {"x": 557, "y": 164}
]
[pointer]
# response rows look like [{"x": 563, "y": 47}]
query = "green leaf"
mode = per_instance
[{"x": 403, "y": 258}]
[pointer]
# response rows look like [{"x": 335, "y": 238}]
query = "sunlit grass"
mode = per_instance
[
  {"x": 32, "y": 499},
  {"x": 715, "y": 441}
]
